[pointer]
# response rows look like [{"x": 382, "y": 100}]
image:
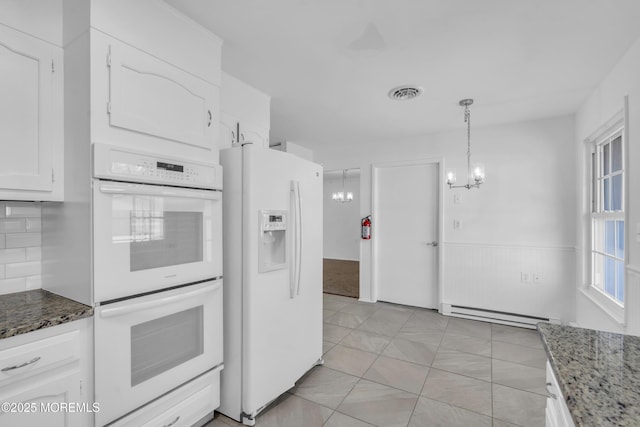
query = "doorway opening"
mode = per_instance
[{"x": 341, "y": 264}]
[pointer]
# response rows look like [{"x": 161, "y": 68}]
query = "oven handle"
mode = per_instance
[
  {"x": 137, "y": 307},
  {"x": 155, "y": 190}
]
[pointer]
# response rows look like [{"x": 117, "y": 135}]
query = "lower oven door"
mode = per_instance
[{"x": 147, "y": 346}]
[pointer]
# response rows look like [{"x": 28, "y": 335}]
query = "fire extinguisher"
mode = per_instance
[{"x": 365, "y": 228}]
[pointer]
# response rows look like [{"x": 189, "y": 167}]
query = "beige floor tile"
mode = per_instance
[
  {"x": 334, "y": 333},
  {"x": 349, "y": 360},
  {"x": 519, "y": 376},
  {"x": 379, "y": 404},
  {"x": 466, "y": 364},
  {"x": 410, "y": 351},
  {"x": 437, "y": 414},
  {"x": 342, "y": 420},
  {"x": 397, "y": 373},
  {"x": 518, "y": 407},
  {"x": 428, "y": 319},
  {"x": 334, "y": 304},
  {"x": 292, "y": 411},
  {"x": 513, "y": 335},
  {"x": 534, "y": 357},
  {"x": 327, "y": 314},
  {"x": 366, "y": 341},
  {"x": 471, "y": 328},
  {"x": 361, "y": 308},
  {"x": 325, "y": 386},
  {"x": 326, "y": 346},
  {"x": 458, "y": 390},
  {"x": 466, "y": 344},
  {"x": 346, "y": 320},
  {"x": 413, "y": 332}
]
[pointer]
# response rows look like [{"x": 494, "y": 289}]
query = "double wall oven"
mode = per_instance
[{"x": 157, "y": 251}]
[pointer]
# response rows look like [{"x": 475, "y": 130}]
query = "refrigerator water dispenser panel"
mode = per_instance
[{"x": 273, "y": 241}]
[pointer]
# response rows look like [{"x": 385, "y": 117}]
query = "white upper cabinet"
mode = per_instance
[
  {"x": 245, "y": 113},
  {"x": 147, "y": 103},
  {"x": 31, "y": 106}
]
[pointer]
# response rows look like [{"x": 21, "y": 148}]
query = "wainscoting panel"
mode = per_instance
[
  {"x": 341, "y": 277},
  {"x": 524, "y": 280}
]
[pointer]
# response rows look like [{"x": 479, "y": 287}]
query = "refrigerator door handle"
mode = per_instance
[
  {"x": 294, "y": 269},
  {"x": 299, "y": 236}
]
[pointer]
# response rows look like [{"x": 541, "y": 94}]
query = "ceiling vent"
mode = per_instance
[{"x": 404, "y": 93}]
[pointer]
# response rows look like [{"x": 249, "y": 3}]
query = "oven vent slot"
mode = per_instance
[{"x": 502, "y": 317}]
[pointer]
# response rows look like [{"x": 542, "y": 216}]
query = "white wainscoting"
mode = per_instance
[
  {"x": 489, "y": 277},
  {"x": 632, "y": 300}
]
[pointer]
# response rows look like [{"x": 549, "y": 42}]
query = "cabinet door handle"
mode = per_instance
[
  {"x": 210, "y": 118},
  {"x": 172, "y": 422},
  {"x": 551, "y": 395},
  {"x": 11, "y": 368}
]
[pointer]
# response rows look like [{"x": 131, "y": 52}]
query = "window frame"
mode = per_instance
[{"x": 615, "y": 127}]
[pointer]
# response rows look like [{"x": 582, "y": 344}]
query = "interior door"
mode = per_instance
[{"x": 405, "y": 230}]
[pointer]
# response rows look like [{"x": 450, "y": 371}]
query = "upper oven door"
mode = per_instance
[{"x": 149, "y": 237}]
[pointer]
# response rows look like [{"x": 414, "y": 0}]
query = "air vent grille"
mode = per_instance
[{"x": 404, "y": 93}]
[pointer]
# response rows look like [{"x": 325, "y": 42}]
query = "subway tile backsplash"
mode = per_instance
[{"x": 20, "y": 246}]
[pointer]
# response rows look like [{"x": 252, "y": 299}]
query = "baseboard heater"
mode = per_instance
[{"x": 503, "y": 317}]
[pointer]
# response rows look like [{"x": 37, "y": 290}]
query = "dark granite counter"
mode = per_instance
[
  {"x": 598, "y": 373},
  {"x": 28, "y": 311}
]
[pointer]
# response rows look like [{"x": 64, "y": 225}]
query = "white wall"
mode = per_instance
[
  {"x": 603, "y": 104},
  {"x": 527, "y": 206},
  {"x": 341, "y": 220}
]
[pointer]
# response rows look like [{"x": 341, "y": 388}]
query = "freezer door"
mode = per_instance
[{"x": 282, "y": 313}]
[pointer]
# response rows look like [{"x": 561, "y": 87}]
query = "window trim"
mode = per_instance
[{"x": 606, "y": 303}]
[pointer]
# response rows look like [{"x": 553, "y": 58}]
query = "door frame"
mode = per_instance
[{"x": 375, "y": 209}]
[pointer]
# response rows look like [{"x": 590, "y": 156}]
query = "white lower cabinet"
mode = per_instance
[
  {"x": 556, "y": 413},
  {"x": 44, "y": 378},
  {"x": 183, "y": 407}
]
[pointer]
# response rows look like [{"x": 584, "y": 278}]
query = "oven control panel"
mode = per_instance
[{"x": 116, "y": 163}]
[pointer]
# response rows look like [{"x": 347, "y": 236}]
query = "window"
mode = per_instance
[{"x": 607, "y": 215}]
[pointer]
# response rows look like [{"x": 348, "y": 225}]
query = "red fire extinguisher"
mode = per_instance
[{"x": 365, "y": 227}]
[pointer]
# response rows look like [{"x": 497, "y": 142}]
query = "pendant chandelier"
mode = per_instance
[
  {"x": 475, "y": 174},
  {"x": 342, "y": 196}
]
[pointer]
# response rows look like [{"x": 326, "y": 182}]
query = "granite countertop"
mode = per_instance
[
  {"x": 598, "y": 373},
  {"x": 28, "y": 311}
]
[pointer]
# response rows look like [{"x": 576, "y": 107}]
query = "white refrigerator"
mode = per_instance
[{"x": 272, "y": 221}]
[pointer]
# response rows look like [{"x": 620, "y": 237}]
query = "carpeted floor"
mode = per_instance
[{"x": 341, "y": 277}]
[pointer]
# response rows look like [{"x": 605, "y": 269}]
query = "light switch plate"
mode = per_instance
[
  {"x": 457, "y": 199},
  {"x": 457, "y": 224}
]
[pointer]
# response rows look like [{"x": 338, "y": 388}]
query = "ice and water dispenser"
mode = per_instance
[{"x": 273, "y": 238}]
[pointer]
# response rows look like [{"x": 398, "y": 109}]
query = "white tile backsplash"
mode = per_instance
[
  {"x": 22, "y": 269},
  {"x": 34, "y": 253},
  {"x": 8, "y": 286},
  {"x": 33, "y": 225},
  {"x": 13, "y": 225},
  {"x": 20, "y": 246},
  {"x": 12, "y": 255},
  {"x": 23, "y": 210},
  {"x": 22, "y": 240}
]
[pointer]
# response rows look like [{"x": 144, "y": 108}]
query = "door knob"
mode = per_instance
[{"x": 434, "y": 243}]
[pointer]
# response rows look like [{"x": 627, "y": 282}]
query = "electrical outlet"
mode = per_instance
[
  {"x": 537, "y": 277},
  {"x": 457, "y": 224},
  {"x": 524, "y": 277}
]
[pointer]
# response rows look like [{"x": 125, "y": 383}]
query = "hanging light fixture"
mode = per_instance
[
  {"x": 475, "y": 173},
  {"x": 341, "y": 196}
]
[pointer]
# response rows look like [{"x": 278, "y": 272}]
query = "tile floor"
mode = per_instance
[{"x": 392, "y": 365}]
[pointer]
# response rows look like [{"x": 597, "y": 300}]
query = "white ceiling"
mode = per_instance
[{"x": 328, "y": 64}]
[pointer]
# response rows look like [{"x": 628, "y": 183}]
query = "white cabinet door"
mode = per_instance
[
  {"x": 42, "y": 403},
  {"x": 150, "y": 104},
  {"x": 30, "y": 116}
]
